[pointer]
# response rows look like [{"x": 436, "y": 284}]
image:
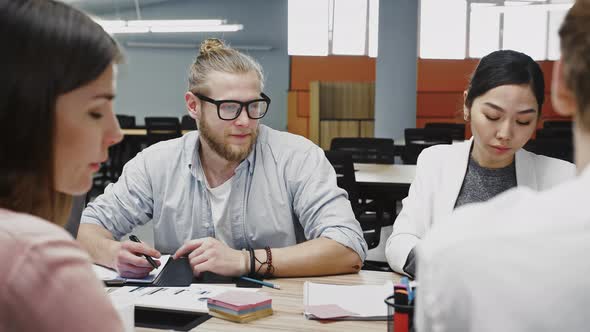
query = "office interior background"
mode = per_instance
[{"x": 418, "y": 54}]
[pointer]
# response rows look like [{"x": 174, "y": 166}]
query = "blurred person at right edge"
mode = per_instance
[{"x": 522, "y": 256}]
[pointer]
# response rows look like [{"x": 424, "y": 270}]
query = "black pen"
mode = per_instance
[{"x": 149, "y": 259}]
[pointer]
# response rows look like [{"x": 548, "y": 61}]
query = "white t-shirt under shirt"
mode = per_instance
[{"x": 218, "y": 199}]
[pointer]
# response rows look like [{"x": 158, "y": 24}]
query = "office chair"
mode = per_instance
[
  {"x": 370, "y": 221},
  {"x": 365, "y": 149},
  {"x": 162, "y": 129},
  {"x": 188, "y": 123},
  {"x": 457, "y": 130},
  {"x": 126, "y": 121},
  {"x": 555, "y": 143},
  {"x": 418, "y": 139},
  {"x": 78, "y": 205},
  {"x": 557, "y": 124}
]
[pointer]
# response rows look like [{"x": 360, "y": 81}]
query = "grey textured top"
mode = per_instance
[{"x": 481, "y": 184}]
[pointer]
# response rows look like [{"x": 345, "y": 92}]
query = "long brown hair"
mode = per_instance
[{"x": 49, "y": 49}]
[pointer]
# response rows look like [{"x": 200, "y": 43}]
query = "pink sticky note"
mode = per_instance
[
  {"x": 328, "y": 311},
  {"x": 237, "y": 300}
]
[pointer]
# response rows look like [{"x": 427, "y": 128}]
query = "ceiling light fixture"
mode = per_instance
[{"x": 167, "y": 26}]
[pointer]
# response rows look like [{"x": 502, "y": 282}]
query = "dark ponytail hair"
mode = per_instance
[
  {"x": 49, "y": 49},
  {"x": 502, "y": 68}
]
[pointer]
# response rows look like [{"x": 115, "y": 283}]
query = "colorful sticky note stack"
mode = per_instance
[{"x": 239, "y": 306}]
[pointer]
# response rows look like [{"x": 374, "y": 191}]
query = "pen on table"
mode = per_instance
[
  {"x": 149, "y": 259},
  {"x": 263, "y": 283}
]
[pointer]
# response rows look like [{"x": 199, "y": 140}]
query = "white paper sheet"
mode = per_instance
[{"x": 366, "y": 301}]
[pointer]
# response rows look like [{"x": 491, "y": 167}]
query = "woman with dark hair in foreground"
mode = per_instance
[{"x": 56, "y": 124}]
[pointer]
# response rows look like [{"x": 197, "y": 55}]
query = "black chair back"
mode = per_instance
[
  {"x": 162, "y": 129},
  {"x": 457, "y": 130},
  {"x": 557, "y": 124},
  {"x": 188, "y": 123},
  {"x": 555, "y": 143},
  {"x": 78, "y": 205},
  {"x": 370, "y": 221},
  {"x": 366, "y": 150},
  {"x": 418, "y": 139},
  {"x": 126, "y": 121},
  {"x": 344, "y": 168}
]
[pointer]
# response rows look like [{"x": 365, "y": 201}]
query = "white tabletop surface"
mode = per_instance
[{"x": 387, "y": 174}]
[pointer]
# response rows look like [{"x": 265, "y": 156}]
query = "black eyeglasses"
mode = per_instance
[{"x": 231, "y": 109}]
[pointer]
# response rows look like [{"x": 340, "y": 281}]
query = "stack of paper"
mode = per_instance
[
  {"x": 342, "y": 302},
  {"x": 239, "y": 306}
]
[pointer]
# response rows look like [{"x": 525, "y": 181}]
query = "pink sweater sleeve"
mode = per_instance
[{"x": 52, "y": 287}]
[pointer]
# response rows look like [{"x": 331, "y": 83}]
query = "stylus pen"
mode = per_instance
[
  {"x": 263, "y": 283},
  {"x": 149, "y": 259}
]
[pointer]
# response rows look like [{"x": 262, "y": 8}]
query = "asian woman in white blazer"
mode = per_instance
[{"x": 502, "y": 105}]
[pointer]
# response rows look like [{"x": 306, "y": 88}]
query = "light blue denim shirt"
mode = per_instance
[{"x": 282, "y": 194}]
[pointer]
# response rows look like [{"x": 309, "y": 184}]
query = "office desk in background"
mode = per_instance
[
  {"x": 142, "y": 132},
  {"x": 287, "y": 304},
  {"x": 385, "y": 175}
]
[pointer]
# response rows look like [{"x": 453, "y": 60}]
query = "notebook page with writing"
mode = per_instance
[{"x": 193, "y": 298}]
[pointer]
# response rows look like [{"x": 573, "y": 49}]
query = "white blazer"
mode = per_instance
[{"x": 440, "y": 171}]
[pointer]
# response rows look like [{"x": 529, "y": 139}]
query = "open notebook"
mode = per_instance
[
  {"x": 344, "y": 302},
  {"x": 111, "y": 276}
]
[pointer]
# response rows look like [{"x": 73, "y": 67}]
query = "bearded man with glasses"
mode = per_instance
[{"x": 236, "y": 197}]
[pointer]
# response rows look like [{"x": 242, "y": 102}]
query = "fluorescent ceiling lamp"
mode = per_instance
[
  {"x": 524, "y": 7},
  {"x": 200, "y": 28},
  {"x": 173, "y": 23},
  {"x": 145, "y": 26}
]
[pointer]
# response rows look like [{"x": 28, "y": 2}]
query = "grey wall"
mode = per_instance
[
  {"x": 153, "y": 80},
  {"x": 395, "y": 92}
]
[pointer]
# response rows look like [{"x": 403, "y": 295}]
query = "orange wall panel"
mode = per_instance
[
  {"x": 444, "y": 75},
  {"x": 439, "y": 92},
  {"x": 305, "y": 69},
  {"x": 439, "y": 104}
]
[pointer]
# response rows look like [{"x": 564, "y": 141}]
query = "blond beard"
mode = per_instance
[{"x": 226, "y": 151}]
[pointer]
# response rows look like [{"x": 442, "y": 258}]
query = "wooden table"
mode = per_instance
[
  {"x": 385, "y": 174},
  {"x": 287, "y": 304}
]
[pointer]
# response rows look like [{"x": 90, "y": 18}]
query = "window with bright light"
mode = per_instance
[
  {"x": 484, "y": 30},
  {"x": 442, "y": 29},
  {"x": 555, "y": 20},
  {"x": 322, "y": 27},
  {"x": 308, "y": 27},
  {"x": 373, "y": 27},
  {"x": 531, "y": 27},
  {"x": 524, "y": 30},
  {"x": 350, "y": 27}
]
